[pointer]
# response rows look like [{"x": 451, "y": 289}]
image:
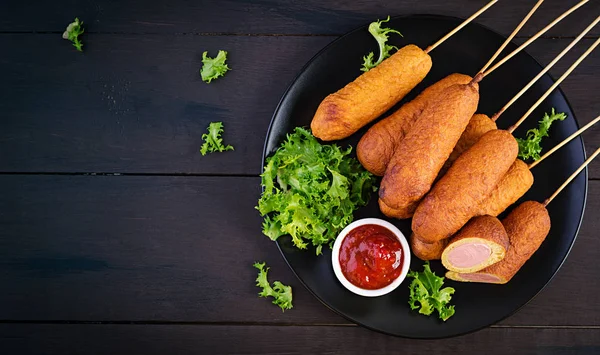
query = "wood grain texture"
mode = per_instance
[
  {"x": 136, "y": 104},
  {"x": 123, "y": 248},
  {"x": 168, "y": 249},
  {"x": 133, "y": 103},
  {"x": 272, "y": 16},
  {"x": 138, "y": 248},
  {"x": 214, "y": 340}
]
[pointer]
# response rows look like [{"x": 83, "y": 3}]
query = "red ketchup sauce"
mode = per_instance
[{"x": 371, "y": 257}]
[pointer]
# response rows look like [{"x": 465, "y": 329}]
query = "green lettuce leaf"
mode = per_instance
[
  {"x": 530, "y": 147},
  {"x": 310, "y": 191},
  {"x": 427, "y": 294},
  {"x": 282, "y": 294},
  {"x": 213, "y": 68},
  {"x": 381, "y": 36},
  {"x": 72, "y": 33},
  {"x": 212, "y": 140}
]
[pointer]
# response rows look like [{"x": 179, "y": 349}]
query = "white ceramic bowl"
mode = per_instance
[{"x": 335, "y": 258}]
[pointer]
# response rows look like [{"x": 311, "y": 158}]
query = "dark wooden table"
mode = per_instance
[{"x": 118, "y": 237}]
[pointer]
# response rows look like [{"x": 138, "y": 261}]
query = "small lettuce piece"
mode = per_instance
[
  {"x": 310, "y": 191},
  {"x": 212, "y": 140},
  {"x": 282, "y": 294},
  {"x": 213, "y": 68},
  {"x": 530, "y": 147},
  {"x": 381, "y": 36},
  {"x": 427, "y": 295},
  {"x": 72, "y": 33}
]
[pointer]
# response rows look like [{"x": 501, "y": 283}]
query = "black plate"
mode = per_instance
[{"x": 477, "y": 305}]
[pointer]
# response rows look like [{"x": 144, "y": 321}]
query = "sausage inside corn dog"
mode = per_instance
[
  {"x": 513, "y": 186},
  {"x": 481, "y": 243},
  {"x": 527, "y": 227}
]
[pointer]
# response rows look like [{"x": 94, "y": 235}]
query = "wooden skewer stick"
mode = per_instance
[
  {"x": 555, "y": 85},
  {"x": 546, "y": 69},
  {"x": 512, "y": 35},
  {"x": 567, "y": 140},
  {"x": 536, "y": 36},
  {"x": 573, "y": 176},
  {"x": 459, "y": 27}
]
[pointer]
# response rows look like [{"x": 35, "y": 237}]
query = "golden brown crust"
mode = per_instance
[
  {"x": 376, "y": 147},
  {"x": 527, "y": 227},
  {"x": 371, "y": 94},
  {"x": 394, "y": 213},
  {"x": 485, "y": 230},
  {"x": 427, "y": 251},
  {"x": 485, "y": 227},
  {"x": 420, "y": 155},
  {"x": 479, "y": 125},
  {"x": 456, "y": 197},
  {"x": 515, "y": 183}
]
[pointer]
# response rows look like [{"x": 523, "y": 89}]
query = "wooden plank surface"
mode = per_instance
[
  {"x": 136, "y": 104},
  {"x": 126, "y": 248},
  {"x": 156, "y": 264},
  {"x": 138, "y": 248},
  {"x": 214, "y": 340},
  {"x": 272, "y": 16}
]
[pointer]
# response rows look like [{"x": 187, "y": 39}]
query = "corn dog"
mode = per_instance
[
  {"x": 456, "y": 197},
  {"x": 376, "y": 147},
  {"x": 422, "y": 153}
]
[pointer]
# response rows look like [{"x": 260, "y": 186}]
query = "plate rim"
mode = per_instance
[{"x": 442, "y": 17}]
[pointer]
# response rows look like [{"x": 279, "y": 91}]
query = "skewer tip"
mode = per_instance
[
  {"x": 496, "y": 115},
  {"x": 477, "y": 79}
]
